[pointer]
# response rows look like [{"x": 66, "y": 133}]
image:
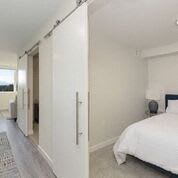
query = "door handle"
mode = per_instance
[
  {"x": 88, "y": 116},
  {"x": 23, "y": 102},
  {"x": 77, "y": 118},
  {"x": 28, "y": 98}
]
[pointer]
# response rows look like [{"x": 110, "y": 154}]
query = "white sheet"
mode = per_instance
[{"x": 153, "y": 140}]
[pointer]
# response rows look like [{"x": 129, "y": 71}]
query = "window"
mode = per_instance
[{"x": 7, "y": 80}]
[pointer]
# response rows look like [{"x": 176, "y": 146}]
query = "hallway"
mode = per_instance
[{"x": 29, "y": 161}]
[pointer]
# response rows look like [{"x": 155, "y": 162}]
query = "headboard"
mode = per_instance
[{"x": 170, "y": 97}]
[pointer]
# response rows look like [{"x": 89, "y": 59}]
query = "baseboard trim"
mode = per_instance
[
  {"x": 1, "y": 110},
  {"x": 30, "y": 132},
  {"x": 91, "y": 149},
  {"x": 45, "y": 156},
  {"x": 103, "y": 144}
]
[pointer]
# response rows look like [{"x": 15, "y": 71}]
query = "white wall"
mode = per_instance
[
  {"x": 5, "y": 97},
  {"x": 163, "y": 76},
  {"x": 8, "y": 60},
  {"x": 118, "y": 81}
]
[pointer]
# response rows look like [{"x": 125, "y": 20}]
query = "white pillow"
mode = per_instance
[{"x": 172, "y": 107}]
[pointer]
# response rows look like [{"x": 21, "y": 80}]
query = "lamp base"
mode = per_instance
[{"x": 153, "y": 107}]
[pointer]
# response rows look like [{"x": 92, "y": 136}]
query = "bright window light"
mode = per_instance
[{"x": 7, "y": 80}]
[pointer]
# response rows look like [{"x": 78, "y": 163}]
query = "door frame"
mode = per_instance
[{"x": 30, "y": 89}]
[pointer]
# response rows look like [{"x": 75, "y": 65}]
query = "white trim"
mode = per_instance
[
  {"x": 45, "y": 156},
  {"x": 90, "y": 2},
  {"x": 30, "y": 132},
  {"x": 1, "y": 110},
  {"x": 160, "y": 51},
  {"x": 8, "y": 92},
  {"x": 103, "y": 144},
  {"x": 8, "y": 67},
  {"x": 30, "y": 93}
]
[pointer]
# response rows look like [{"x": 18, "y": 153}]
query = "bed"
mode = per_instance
[{"x": 153, "y": 140}]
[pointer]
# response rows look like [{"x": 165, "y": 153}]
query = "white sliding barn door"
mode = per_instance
[
  {"x": 70, "y": 96},
  {"x": 22, "y": 97}
]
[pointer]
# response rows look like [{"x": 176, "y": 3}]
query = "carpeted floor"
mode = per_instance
[
  {"x": 8, "y": 167},
  {"x": 104, "y": 165}
]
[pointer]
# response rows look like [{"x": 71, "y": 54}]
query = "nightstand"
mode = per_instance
[{"x": 148, "y": 114}]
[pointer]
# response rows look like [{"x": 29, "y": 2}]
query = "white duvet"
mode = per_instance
[{"x": 154, "y": 140}]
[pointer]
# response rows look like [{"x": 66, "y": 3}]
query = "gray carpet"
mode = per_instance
[
  {"x": 8, "y": 167},
  {"x": 104, "y": 165}
]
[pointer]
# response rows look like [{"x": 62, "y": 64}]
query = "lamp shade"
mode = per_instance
[{"x": 152, "y": 95}]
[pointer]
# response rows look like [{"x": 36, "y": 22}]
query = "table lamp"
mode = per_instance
[{"x": 153, "y": 97}]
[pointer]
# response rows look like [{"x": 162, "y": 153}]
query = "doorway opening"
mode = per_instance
[{"x": 33, "y": 74}]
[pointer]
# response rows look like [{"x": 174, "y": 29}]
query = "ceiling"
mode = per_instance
[
  {"x": 21, "y": 19},
  {"x": 136, "y": 23}
]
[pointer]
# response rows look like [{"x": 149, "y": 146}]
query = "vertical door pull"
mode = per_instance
[
  {"x": 28, "y": 98},
  {"x": 23, "y": 98},
  {"x": 88, "y": 116},
  {"x": 77, "y": 118}
]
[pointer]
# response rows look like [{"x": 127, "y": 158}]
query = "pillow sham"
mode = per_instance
[{"x": 172, "y": 107}]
